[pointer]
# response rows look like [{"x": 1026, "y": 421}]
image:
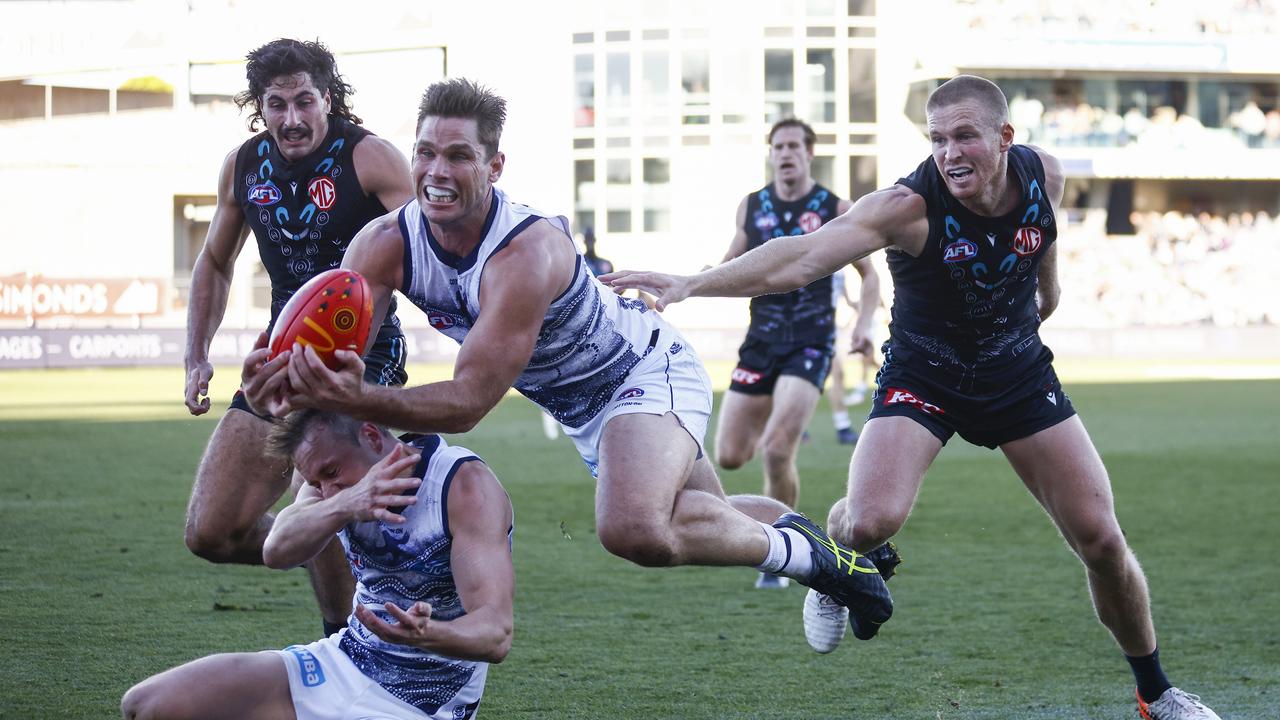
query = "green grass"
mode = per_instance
[{"x": 992, "y": 621}]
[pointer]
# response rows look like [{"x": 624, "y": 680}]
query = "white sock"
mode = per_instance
[
  {"x": 841, "y": 420},
  {"x": 788, "y": 554}
]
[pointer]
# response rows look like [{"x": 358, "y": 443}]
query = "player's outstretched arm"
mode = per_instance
[
  {"x": 210, "y": 283},
  {"x": 878, "y": 220},
  {"x": 303, "y": 528},
  {"x": 479, "y": 523}
]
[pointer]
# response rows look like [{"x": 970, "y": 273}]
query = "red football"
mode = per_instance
[{"x": 332, "y": 311}]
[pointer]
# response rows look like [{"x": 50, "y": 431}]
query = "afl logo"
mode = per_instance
[
  {"x": 440, "y": 321},
  {"x": 1026, "y": 241},
  {"x": 634, "y": 392},
  {"x": 809, "y": 221},
  {"x": 264, "y": 194},
  {"x": 766, "y": 221},
  {"x": 322, "y": 192},
  {"x": 959, "y": 251}
]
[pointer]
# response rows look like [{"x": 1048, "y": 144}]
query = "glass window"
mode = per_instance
[
  {"x": 738, "y": 94},
  {"x": 584, "y": 87},
  {"x": 657, "y": 171},
  {"x": 695, "y": 75},
  {"x": 862, "y": 7},
  {"x": 657, "y": 220},
  {"x": 619, "y": 78},
  {"x": 619, "y": 221},
  {"x": 584, "y": 182},
  {"x": 862, "y": 176},
  {"x": 779, "y": 84},
  {"x": 585, "y": 220},
  {"x": 820, "y": 73},
  {"x": 618, "y": 171},
  {"x": 655, "y": 84},
  {"x": 823, "y": 169},
  {"x": 862, "y": 85}
]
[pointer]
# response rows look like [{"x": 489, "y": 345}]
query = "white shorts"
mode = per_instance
[
  {"x": 326, "y": 685},
  {"x": 672, "y": 381}
]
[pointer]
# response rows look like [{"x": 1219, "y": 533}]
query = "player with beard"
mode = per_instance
[{"x": 304, "y": 186}]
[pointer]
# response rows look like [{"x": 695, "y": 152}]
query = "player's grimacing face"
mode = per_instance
[
  {"x": 332, "y": 464},
  {"x": 296, "y": 113},
  {"x": 968, "y": 142},
  {"x": 788, "y": 155},
  {"x": 452, "y": 172}
]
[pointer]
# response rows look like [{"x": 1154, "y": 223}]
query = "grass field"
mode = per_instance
[{"x": 992, "y": 621}]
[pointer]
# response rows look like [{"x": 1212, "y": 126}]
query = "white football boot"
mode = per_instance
[
  {"x": 1173, "y": 704},
  {"x": 825, "y": 621}
]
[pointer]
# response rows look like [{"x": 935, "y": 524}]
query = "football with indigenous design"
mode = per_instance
[{"x": 332, "y": 311}]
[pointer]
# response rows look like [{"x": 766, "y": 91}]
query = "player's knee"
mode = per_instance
[
  {"x": 1103, "y": 550},
  {"x": 217, "y": 545},
  {"x": 868, "y": 533},
  {"x": 730, "y": 457},
  {"x": 142, "y": 702},
  {"x": 644, "y": 544},
  {"x": 779, "y": 452}
]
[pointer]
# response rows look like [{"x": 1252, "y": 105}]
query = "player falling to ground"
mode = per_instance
[
  {"x": 790, "y": 341},
  {"x": 427, "y": 529},
  {"x": 970, "y": 242},
  {"x": 304, "y": 186},
  {"x": 507, "y": 283}
]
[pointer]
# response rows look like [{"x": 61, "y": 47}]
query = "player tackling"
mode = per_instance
[
  {"x": 970, "y": 242},
  {"x": 508, "y": 284}
]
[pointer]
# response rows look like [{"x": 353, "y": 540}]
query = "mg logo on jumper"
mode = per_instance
[
  {"x": 322, "y": 192},
  {"x": 1027, "y": 241},
  {"x": 810, "y": 221},
  {"x": 959, "y": 251}
]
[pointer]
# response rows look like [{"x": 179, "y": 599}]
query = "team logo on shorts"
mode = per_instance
[
  {"x": 322, "y": 192},
  {"x": 743, "y": 376},
  {"x": 441, "y": 321},
  {"x": 266, "y": 194},
  {"x": 634, "y": 392},
  {"x": 1027, "y": 241},
  {"x": 959, "y": 251},
  {"x": 308, "y": 666},
  {"x": 899, "y": 396},
  {"x": 809, "y": 221}
]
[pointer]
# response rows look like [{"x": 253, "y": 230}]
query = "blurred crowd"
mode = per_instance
[
  {"x": 1176, "y": 269},
  {"x": 1164, "y": 127},
  {"x": 1178, "y": 18}
]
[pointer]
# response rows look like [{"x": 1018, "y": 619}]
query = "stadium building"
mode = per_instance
[{"x": 646, "y": 122}]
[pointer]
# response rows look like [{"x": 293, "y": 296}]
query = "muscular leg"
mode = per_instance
[
  {"x": 885, "y": 473},
  {"x": 253, "y": 686},
  {"x": 742, "y": 420},
  {"x": 794, "y": 400},
  {"x": 227, "y": 518},
  {"x": 647, "y": 513},
  {"x": 235, "y": 486},
  {"x": 1062, "y": 470},
  {"x": 759, "y": 507}
]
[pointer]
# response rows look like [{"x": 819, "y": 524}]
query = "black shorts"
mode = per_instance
[
  {"x": 761, "y": 363},
  {"x": 985, "y": 408},
  {"x": 384, "y": 365}
]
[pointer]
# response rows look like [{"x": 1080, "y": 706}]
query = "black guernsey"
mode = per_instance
[
  {"x": 305, "y": 213},
  {"x": 806, "y": 315},
  {"x": 972, "y": 290}
]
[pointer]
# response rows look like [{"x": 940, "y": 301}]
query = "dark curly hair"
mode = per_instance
[{"x": 287, "y": 57}]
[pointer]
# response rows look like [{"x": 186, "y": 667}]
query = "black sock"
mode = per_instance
[
  {"x": 331, "y": 628},
  {"x": 1150, "y": 676}
]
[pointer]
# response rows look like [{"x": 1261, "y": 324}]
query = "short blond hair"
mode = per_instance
[{"x": 971, "y": 87}]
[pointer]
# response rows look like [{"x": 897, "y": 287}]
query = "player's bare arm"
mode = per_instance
[
  {"x": 383, "y": 172},
  {"x": 479, "y": 521},
  {"x": 1048, "y": 291},
  {"x": 738, "y": 245},
  {"x": 868, "y": 302},
  {"x": 306, "y": 526},
  {"x": 519, "y": 285},
  {"x": 895, "y": 216},
  {"x": 210, "y": 283}
]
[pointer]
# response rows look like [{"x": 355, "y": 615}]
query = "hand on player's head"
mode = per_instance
[{"x": 383, "y": 487}]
